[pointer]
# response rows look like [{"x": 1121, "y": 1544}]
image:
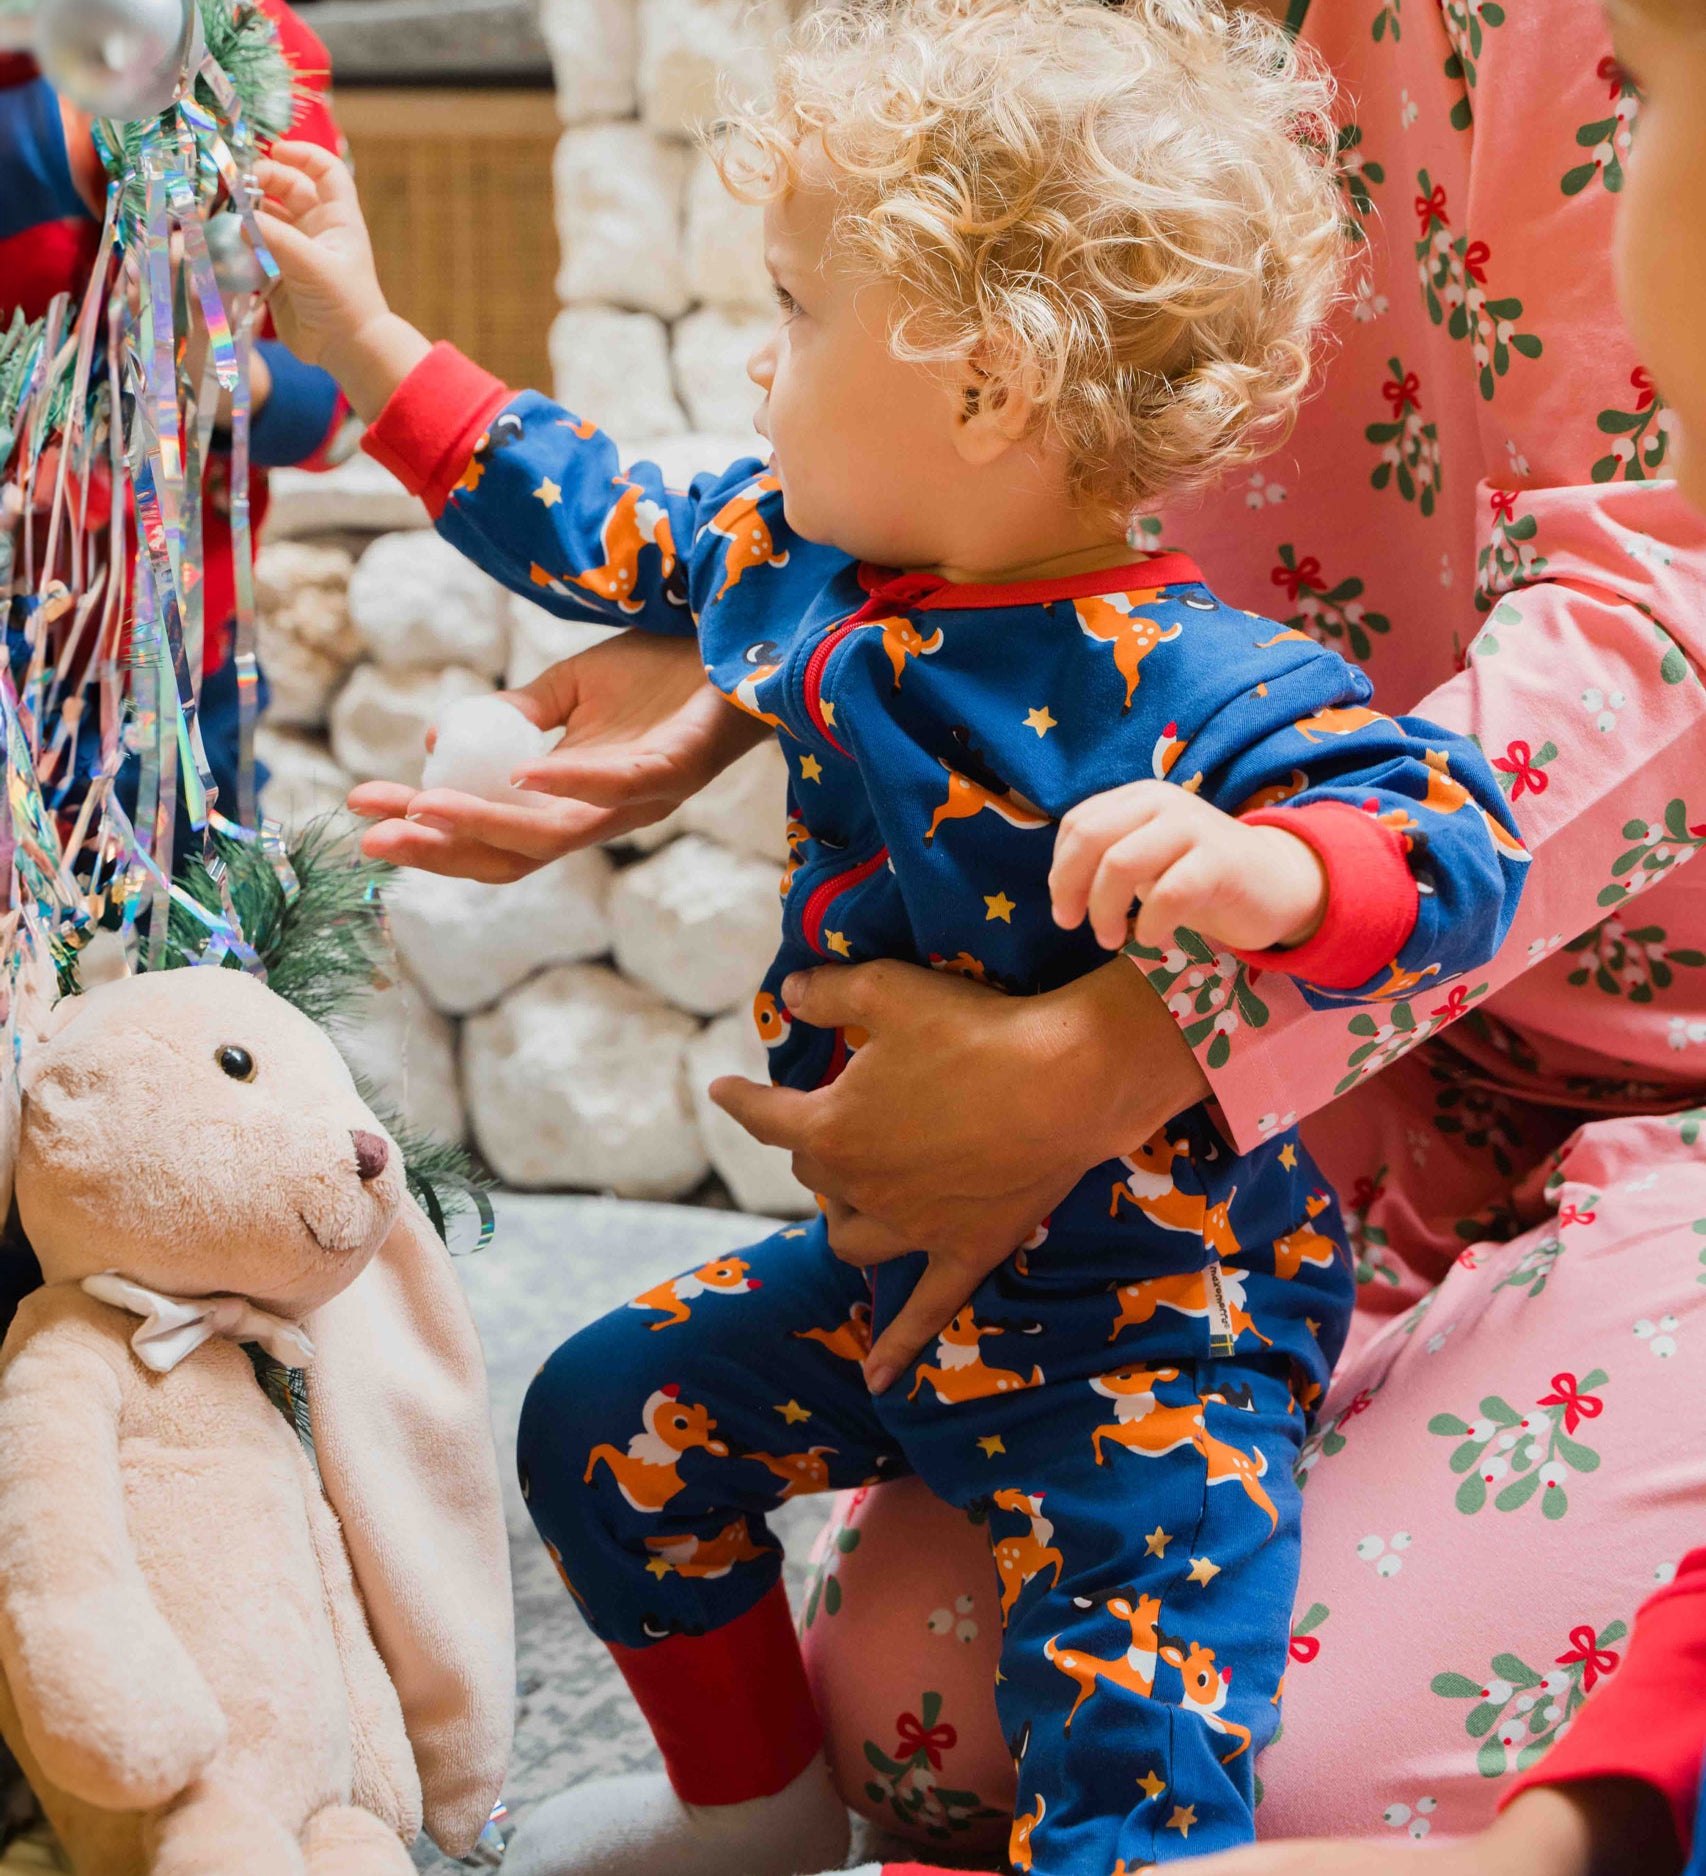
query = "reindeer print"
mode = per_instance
[
  {"x": 648, "y": 1474},
  {"x": 1116, "y": 622},
  {"x": 1020, "y": 1560},
  {"x": 750, "y": 544},
  {"x": 1142, "y": 1424},
  {"x": 1019, "y": 1842},
  {"x": 967, "y": 798},
  {"x": 902, "y": 641},
  {"x": 674, "y": 1300},
  {"x": 961, "y": 1374},
  {"x": 634, "y": 522},
  {"x": 851, "y": 1340},
  {"x": 1133, "y": 1671},
  {"x": 800, "y": 1473},
  {"x": 708, "y": 1558}
]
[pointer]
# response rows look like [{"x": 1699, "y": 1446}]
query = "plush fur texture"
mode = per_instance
[{"x": 205, "y": 1671}]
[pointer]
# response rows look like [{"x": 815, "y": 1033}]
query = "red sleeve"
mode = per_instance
[
  {"x": 312, "y": 65},
  {"x": 427, "y": 433},
  {"x": 1371, "y": 895},
  {"x": 1646, "y": 1721}
]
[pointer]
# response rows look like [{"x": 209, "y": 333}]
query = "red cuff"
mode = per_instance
[
  {"x": 426, "y": 434},
  {"x": 731, "y": 1711},
  {"x": 1371, "y": 895},
  {"x": 1647, "y": 1719}
]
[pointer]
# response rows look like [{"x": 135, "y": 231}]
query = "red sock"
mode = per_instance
[{"x": 731, "y": 1711}]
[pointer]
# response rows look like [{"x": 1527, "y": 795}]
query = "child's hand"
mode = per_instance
[
  {"x": 331, "y": 310},
  {"x": 1249, "y": 888}
]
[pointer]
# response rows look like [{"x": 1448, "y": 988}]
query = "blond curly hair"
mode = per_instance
[{"x": 1130, "y": 209}]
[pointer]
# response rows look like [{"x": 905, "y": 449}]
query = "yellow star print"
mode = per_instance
[
  {"x": 992, "y": 1445},
  {"x": 828, "y": 710},
  {"x": 1288, "y": 1157},
  {"x": 1184, "y": 1816},
  {"x": 1000, "y": 907},
  {"x": 797, "y": 1232},
  {"x": 548, "y": 493},
  {"x": 659, "y": 1568},
  {"x": 1204, "y": 1570},
  {"x": 811, "y": 770},
  {"x": 1040, "y": 721},
  {"x": 1155, "y": 1544},
  {"x": 1152, "y": 1784},
  {"x": 837, "y": 941},
  {"x": 794, "y": 1413}
]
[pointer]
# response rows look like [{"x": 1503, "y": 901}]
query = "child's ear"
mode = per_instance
[{"x": 994, "y": 410}]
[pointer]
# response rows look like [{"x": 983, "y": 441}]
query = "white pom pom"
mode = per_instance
[{"x": 481, "y": 742}]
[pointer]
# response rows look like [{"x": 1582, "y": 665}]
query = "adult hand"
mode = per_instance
[
  {"x": 964, "y": 1117},
  {"x": 1600, "y": 1827},
  {"x": 642, "y": 732}
]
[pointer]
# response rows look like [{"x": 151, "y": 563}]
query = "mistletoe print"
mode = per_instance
[
  {"x": 1331, "y": 614},
  {"x": 1642, "y": 434},
  {"x": 1409, "y": 447},
  {"x": 1518, "y": 1711},
  {"x": 1209, "y": 992},
  {"x": 1524, "y": 1455},
  {"x": 1606, "y": 139},
  {"x": 1453, "y": 274},
  {"x": 1657, "y": 847}
]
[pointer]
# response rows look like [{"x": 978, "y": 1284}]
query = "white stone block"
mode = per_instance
[
  {"x": 578, "y": 1079},
  {"x": 465, "y": 943},
  {"x": 357, "y": 497},
  {"x": 697, "y": 923},
  {"x": 759, "y": 1178},
  {"x": 594, "y": 50},
  {"x": 724, "y": 247},
  {"x": 711, "y": 348},
  {"x": 303, "y": 634},
  {"x": 304, "y": 784},
  {"x": 396, "y": 1041},
  {"x": 416, "y": 601},
  {"x": 619, "y": 192},
  {"x": 539, "y": 639},
  {"x": 693, "y": 52},
  {"x": 680, "y": 458},
  {"x": 746, "y": 807},
  {"x": 612, "y": 368},
  {"x": 380, "y": 718}
]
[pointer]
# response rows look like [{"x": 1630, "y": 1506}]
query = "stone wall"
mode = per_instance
[{"x": 568, "y": 1025}]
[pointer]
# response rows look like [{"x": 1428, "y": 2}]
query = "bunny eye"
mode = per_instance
[{"x": 239, "y": 1064}]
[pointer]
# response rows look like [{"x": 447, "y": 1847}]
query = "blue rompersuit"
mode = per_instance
[{"x": 1126, "y": 1394}]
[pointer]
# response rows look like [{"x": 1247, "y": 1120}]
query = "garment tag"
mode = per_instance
[{"x": 1222, "y": 1341}]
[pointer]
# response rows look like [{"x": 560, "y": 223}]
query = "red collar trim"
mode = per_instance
[{"x": 928, "y": 592}]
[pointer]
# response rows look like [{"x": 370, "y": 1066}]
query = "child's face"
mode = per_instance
[
  {"x": 1661, "y": 223},
  {"x": 864, "y": 443}
]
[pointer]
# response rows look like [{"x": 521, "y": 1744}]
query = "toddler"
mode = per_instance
[{"x": 1039, "y": 263}]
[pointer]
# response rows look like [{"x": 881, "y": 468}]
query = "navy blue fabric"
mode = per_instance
[
  {"x": 33, "y": 160},
  {"x": 293, "y": 423},
  {"x": 1146, "y": 1364}
]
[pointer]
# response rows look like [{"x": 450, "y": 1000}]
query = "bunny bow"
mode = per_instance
[{"x": 176, "y": 1326}]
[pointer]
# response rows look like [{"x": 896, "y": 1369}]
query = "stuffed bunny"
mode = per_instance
[{"x": 213, "y": 1662}]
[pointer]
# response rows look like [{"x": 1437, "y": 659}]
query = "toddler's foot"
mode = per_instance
[{"x": 637, "y": 1826}]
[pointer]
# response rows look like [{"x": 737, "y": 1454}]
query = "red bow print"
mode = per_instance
[
  {"x": 914, "y": 1740},
  {"x": 1475, "y": 258},
  {"x": 1304, "y": 1648},
  {"x": 1453, "y": 1006},
  {"x": 1594, "y": 1660},
  {"x": 1576, "y": 1405},
  {"x": 1431, "y": 208},
  {"x": 1403, "y": 393},
  {"x": 1610, "y": 73},
  {"x": 1503, "y": 503},
  {"x": 1642, "y": 379},
  {"x": 1365, "y": 1192},
  {"x": 1294, "y": 579},
  {"x": 1518, "y": 762},
  {"x": 1360, "y": 1404},
  {"x": 1572, "y": 1214}
]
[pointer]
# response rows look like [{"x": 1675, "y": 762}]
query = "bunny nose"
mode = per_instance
[{"x": 371, "y": 1154}]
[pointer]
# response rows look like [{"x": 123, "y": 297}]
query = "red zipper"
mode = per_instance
[
  {"x": 813, "y": 683},
  {"x": 823, "y": 896}
]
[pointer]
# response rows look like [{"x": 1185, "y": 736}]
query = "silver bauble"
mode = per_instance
[
  {"x": 119, "y": 59},
  {"x": 234, "y": 264}
]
